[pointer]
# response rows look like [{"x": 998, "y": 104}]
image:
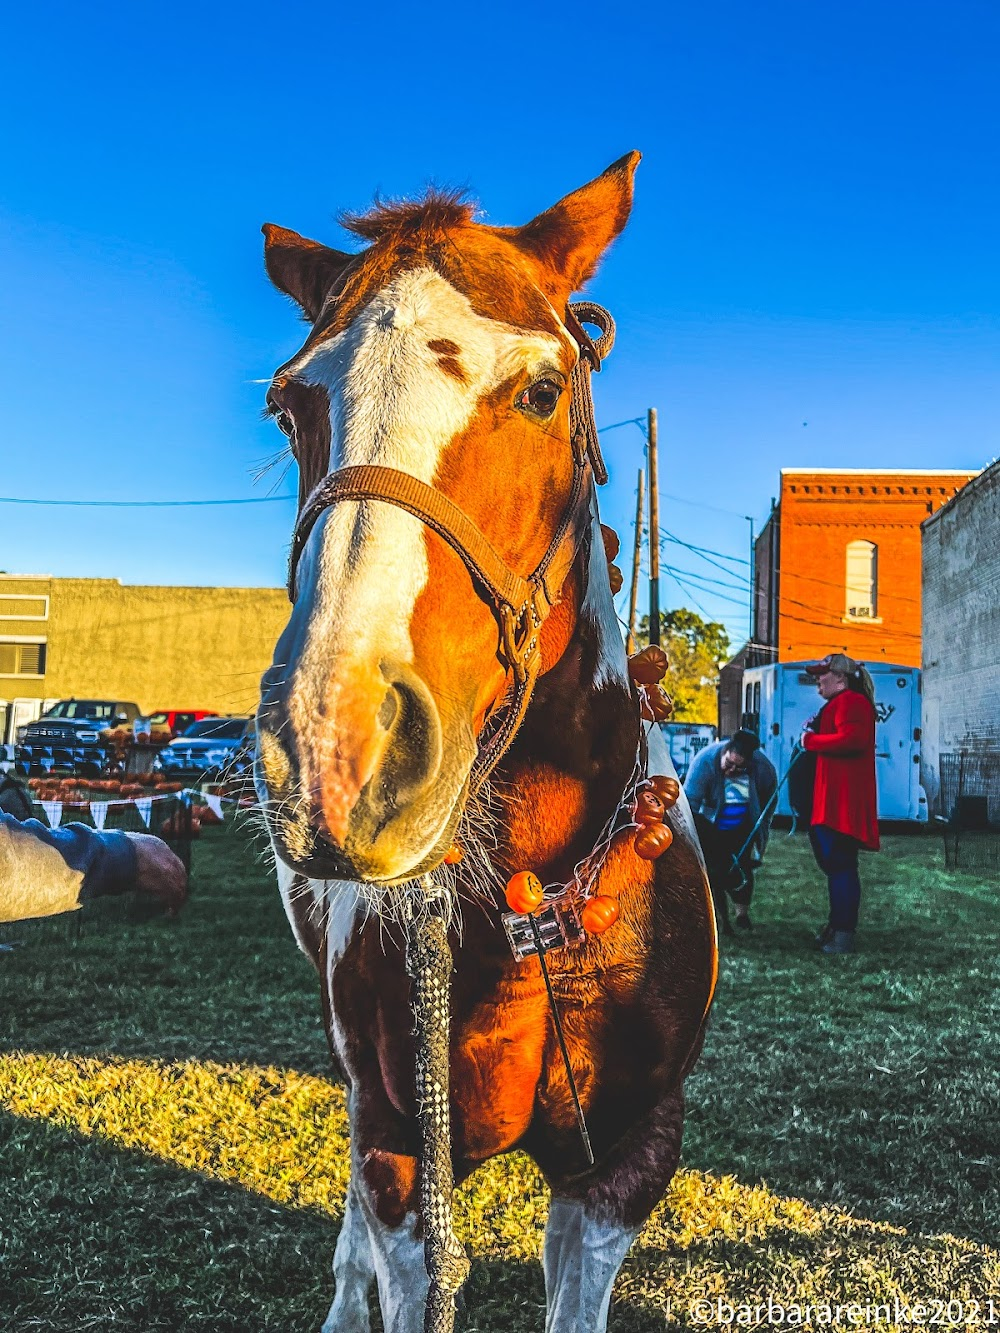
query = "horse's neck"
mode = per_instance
[{"x": 576, "y": 748}]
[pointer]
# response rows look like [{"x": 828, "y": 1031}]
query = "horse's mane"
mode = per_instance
[{"x": 406, "y": 220}]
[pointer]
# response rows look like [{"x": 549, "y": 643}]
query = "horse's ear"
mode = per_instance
[
  {"x": 303, "y": 270},
  {"x": 571, "y": 237}
]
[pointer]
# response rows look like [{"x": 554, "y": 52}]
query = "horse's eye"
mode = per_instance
[
  {"x": 540, "y": 398},
  {"x": 284, "y": 423}
]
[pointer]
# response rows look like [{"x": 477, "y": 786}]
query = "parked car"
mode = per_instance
[
  {"x": 237, "y": 773},
  {"x": 205, "y": 748},
  {"x": 175, "y": 721},
  {"x": 72, "y": 733}
]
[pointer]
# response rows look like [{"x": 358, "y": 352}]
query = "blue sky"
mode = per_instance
[{"x": 810, "y": 276}]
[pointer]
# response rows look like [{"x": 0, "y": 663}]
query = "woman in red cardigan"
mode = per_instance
[{"x": 844, "y": 814}]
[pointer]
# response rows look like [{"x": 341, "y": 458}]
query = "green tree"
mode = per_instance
[{"x": 696, "y": 649}]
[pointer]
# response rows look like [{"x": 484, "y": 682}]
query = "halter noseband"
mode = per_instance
[{"x": 520, "y": 605}]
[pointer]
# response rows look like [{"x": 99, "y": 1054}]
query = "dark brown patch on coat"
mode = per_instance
[
  {"x": 444, "y": 347},
  {"x": 448, "y": 353},
  {"x": 454, "y": 368}
]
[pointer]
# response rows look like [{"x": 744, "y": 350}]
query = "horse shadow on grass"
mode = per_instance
[{"x": 94, "y": 1235}]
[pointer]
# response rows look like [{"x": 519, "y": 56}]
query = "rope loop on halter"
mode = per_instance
[
  {"x": 582, "y": 425},
  {"x": 429, "y": 965}
]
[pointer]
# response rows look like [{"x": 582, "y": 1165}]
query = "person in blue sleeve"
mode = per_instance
[
  {"x": 45, "y": 871},
  {"x": 728, "y": 785}
]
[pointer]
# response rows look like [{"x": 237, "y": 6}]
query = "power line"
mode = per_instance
[
  {"x": 707, "y": 550},
  {"x": 718, "y": 583},
  {"x": 831, "y": 583},
  {"x": 690, "y": 592},
  {"x": 632, "y": 421},
  {"x": 700, "y": 551},
  {"x": 145, "y": 504},
  {"x": 700, "y": 504},
  {"x": 706, "y": 553}
]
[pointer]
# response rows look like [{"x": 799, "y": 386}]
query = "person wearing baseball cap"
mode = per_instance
[{"x": 844, "y": 808}]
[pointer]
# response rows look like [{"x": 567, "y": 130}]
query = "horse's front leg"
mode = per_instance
[
  {"x": 353, "y": 1271},
  {"x": 398, "y": 1252},
  {"x": 380, "y": 1237},
  {"x": 582, "y": 1256},
  {"x": 588, "y": 1235}
]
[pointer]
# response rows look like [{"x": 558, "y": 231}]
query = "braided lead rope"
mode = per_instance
[{"x": 429, "y": 964}]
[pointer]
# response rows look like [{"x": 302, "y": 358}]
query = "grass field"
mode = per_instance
[{"x": 174, "y": 1158}]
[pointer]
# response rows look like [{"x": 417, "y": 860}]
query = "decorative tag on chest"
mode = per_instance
[{"x": 557, "y": 925}]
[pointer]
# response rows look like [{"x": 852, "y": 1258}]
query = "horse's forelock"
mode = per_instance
[{"x": 401, "y": 220}]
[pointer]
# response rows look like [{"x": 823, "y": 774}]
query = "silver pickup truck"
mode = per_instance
[{"x": 69, "y": 734}]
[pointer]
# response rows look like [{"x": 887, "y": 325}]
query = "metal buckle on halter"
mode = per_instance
[
  {"x": 557, "y": 922},
  {"x": 520, "y": 631}
]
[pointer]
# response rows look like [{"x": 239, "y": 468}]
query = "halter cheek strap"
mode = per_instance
[{"x": 520, "y": 605}]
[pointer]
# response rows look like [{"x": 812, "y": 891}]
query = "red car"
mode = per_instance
[{"x": 176, "y": 720}]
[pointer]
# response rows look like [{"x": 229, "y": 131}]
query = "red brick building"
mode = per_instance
[
  {"x": 837, "y": 569},
  {"x": 838, "y": 563}
]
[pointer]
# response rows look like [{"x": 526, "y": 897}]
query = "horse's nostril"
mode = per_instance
[
  {"x": 387, "y": 713},
  {"x": 413, "y": 758}
]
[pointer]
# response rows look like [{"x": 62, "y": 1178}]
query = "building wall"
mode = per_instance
[
  {"x": 767, "y": 547},
  {"x": 961, "y": 645},
  {"x": 159, "y": 647},
  {"x": 821, "y": 512},
  {"x": 731, "y": 694}
]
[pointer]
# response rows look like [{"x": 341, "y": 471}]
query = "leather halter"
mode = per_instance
[{"x": 520, "y": 604}]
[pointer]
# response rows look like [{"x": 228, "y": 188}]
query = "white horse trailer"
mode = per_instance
[
  {"x": 685, "y": 740},
  {"x": 780, "y": 699}
]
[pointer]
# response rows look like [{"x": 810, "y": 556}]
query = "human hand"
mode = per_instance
[{"x": 158, "y": 872}]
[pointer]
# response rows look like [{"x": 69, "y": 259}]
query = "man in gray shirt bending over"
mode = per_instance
[{"x": 728, "y": 785}]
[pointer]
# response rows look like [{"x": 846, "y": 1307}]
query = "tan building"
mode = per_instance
[{"x": 158, "y": 647}]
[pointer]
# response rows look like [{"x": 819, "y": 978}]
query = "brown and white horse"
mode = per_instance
[{"x": 444, "y": 350}]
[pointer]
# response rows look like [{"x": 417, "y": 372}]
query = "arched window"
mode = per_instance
[{"x": 862, "y": 580}]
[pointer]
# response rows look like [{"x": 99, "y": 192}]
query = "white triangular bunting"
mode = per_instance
[
  {"x": 99, "y": 813},
  {"x": 214, "y": 803},
  {"x": 144, "y": 805},
  {"x": 53, "y": 812}
]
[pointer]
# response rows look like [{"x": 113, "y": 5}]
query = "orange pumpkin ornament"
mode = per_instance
[
  {"x": 599, "y": 914},
  {"x": 652, "y": 841},
  {"x": 649, "y": 809},
  {"x": 655, "y": 704},
  {"x": 453, "y": 855},
  {"x": 667, "y": 789},
  {"x": 611, "y": 543},
  {"x": 649, "y": 666},
  {"x": 616, "y": 578},
  {"x": 524, "y": 892}
]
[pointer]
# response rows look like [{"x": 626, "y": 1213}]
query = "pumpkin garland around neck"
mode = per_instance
[{"x": 566, "y": 913}]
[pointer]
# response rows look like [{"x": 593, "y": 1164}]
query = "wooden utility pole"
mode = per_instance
[
  {"x": 636, "y": 555},
  {"x": 654, "y": 534},
  {"x": 752, "y": 636}
]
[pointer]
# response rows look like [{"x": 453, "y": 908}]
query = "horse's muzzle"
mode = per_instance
[{"x": 366, "y": 790}]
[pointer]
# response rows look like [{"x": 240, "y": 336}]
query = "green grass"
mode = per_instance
[{"x": 174, "y": 1156}]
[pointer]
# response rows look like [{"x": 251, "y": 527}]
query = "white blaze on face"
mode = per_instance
[{"x": 392, "y": 403}]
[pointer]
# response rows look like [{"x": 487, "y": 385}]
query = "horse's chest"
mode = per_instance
[
  {"x": 497, "y": 1064},
  {"x": 508, "y": 1072}
]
